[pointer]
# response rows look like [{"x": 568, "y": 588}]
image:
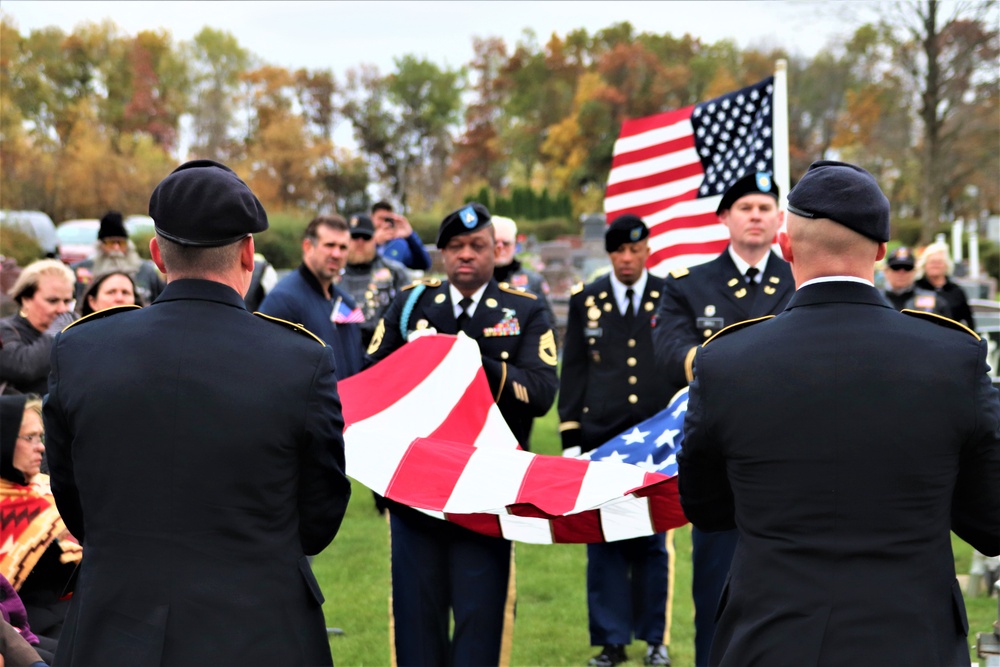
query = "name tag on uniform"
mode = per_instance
[
  {"x": 710, "y": 323},
  {"x": 594, "y": 332}
]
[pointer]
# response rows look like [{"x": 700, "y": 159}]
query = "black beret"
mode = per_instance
[
  {"x": 469, "y": 218},
  {"x": 624, "y": 229},
  {"x": 204, "y": 203},
  {"x": 901, "y": 257},
  {"x": 843, "y": 193},
  {"x": 112, "y": 226},
  {"x": 760, "y": 183},
  {"x": 362, "y": 225}
]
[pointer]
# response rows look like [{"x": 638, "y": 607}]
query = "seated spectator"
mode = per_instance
[
  {"x": 934, "y": 268},
  {"x": 115, "y": 252},
  {"x": 44, "y": 296},
  {"x": 114, "y": 288},
  {"x": 41, "y": 564},
  {"x": 396, "y": 239},
  {"x": 16, "y": 615}
]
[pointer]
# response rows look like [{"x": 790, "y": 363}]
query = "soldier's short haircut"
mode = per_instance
[{"x": 333, "y": 221}]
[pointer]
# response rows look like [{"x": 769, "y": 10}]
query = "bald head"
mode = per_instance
[{"x": 821, "y": 247}]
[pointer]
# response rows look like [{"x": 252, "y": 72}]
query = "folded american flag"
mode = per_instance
[
  {"x": 672, "y": 169},
  {"x": 421, "y": 428}
]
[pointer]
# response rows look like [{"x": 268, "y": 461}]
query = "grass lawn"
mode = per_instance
[{"x": 551, "y": 626}]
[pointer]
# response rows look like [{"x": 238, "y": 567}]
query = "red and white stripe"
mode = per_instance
[
  {"x": 655, "y": 174},
  {"x": 422, "y": 429}
]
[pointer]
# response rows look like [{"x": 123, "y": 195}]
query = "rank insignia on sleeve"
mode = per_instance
[{"x": 547, "y": 348}]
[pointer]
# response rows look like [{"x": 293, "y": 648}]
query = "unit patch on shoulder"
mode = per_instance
[
  {"x": 297, "y": 328},
  {"x": 101, "y": 314},
  {"x": 679, "y": 273},
  {"x": 942, "y": 320},
  {"x": 736, "y": 327}
]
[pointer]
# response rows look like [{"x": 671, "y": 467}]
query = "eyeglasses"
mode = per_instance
[
  {"x": 115, "y": 241},
  {"x": 900, "y": 268},
  {"x": 33, "y": 438}
]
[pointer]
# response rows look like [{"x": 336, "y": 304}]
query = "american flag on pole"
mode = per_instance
[
  {"x": 421, "y": 428},
  {"x": 672, "y": 169}
]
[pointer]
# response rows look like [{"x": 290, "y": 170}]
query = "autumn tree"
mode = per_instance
[
  {"x": 950, "y": 62},
  {"x": 216, "y": 60},
  {"x": 403, "y": 121}
]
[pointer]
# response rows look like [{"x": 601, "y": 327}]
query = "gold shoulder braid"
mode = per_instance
[
  {"x": 101, "y": 314},
  {"x": 297, "y": 328}
]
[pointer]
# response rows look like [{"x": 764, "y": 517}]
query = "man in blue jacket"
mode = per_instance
[{"x": 308, "y": 295}]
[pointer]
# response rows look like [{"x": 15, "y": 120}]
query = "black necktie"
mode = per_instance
[
  {"x": 629, "y": 308},
  {"x": 463, "y": 317},
  {"x": 750, "y": 275}
]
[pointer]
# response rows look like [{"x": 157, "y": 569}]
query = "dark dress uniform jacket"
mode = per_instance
[
  {"x": 699, "y": 301},
  {"x": 512, "y": 329},
  {"x": 196, "y": 452},
  {"x": 609, "y": 380},
  {"x": 844, "y": 440}
]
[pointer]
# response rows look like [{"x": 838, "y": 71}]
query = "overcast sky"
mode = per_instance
[{"x": 340, "y": 35}]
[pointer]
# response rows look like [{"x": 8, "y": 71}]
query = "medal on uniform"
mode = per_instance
[
  {"x": 594, "y": 313},
  {"x": 709, "y": 310}
]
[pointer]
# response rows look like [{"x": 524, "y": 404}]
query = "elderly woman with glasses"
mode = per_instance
[
  {"x": 43, "y": 555},
  {"x": 44, "y": 295}
]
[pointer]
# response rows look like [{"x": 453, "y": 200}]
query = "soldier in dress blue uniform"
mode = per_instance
[
  {"x": 440, "y": 567},
  {"x": 747, "y": 280},
  {"x": 610, "y": 382},
  {"x": 197, "y": 451},
  {"x": 845, "y": 441}
]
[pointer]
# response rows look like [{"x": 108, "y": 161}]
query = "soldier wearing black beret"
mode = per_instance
[
  {"x": 844, "y": 441},
  {"x": 436, "y": 565},
  {"x": 609, "y": 383},
  {"x": 184, "y": 438},
  {"x": 745, "y": 281}
]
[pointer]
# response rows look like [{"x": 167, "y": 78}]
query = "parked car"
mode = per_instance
[
  {"x": 77, "y": 239},
  {"x": 139, "y": 225},
  {"x": 36, "y": 224}
]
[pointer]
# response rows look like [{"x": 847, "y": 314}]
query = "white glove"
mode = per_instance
[{"x": 417, "y": 333}]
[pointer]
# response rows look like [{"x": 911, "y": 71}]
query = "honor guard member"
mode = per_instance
[
  {"x": 372, "y": 280},
  {"x": 844, "y": 441},
  {"x": 747, "y": 280},
  {"x": 197, "y": 492},
  {"x": 609, "y": 383},
  {"x": 439, "y": 567},
  {"x": 901, "y": 287}
]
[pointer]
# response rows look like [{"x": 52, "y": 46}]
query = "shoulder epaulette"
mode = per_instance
[
  {"x": 942, "y": 320},
  {"x": 505, "y": 287},
  {"x": 426, "y": 282},
  {"x": 576, "y": 289},
  {"x": 736, "y": 327},
  {"x": 679, "y": 273},
  {"x": 297, "y": 328},
  {"x": 101, "y": 314}
]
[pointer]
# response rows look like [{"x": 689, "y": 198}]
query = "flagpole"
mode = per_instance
[{"x": 781, "y": 161}]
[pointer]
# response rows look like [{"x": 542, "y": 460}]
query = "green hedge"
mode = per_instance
[{"x": 19, "y": 246}]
